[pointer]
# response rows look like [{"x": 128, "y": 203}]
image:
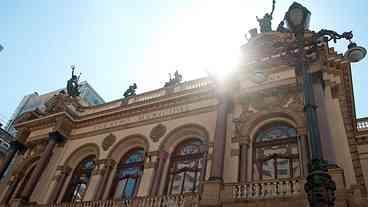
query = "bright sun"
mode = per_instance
[{"x": 207, "y": 38}]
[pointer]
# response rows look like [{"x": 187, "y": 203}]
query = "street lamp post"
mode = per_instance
[{"x": 320, "y": 187}]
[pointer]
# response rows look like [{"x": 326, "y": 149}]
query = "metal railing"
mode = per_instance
[{"x": 280, "y": 188}]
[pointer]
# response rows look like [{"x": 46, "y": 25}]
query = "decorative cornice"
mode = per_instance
[
  {"x": 75, "y": 123},
  {"x": 146, "y": 122}
]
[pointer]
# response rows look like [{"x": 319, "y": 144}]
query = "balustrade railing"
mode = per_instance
[
  {"x": 180, "y": 200},
  {"x": 279, "y": 188},
  {"x": 188, "y": 85},
  {"x": 362, "y": 124},
  {"x": 147, "y": 96},
  {"x": 194, "y": 84}
]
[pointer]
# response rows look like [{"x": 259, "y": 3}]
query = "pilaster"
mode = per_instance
[{"x": 58, "y": 182}]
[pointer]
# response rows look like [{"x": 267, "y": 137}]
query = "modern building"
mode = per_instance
[
  {"x": 33, "y": 101},
  {"x": 242, "y": 142},
  {"x": 5, "y": 139}
]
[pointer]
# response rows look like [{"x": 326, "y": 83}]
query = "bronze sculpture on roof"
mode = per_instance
[
  {"x": 265, "y": 23},
  {"x": 130, "y": 91},
  {"x": 72, "y": 86}
]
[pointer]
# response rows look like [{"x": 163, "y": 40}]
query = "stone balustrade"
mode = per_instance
[
  {"x": 185, "y": 86},
  {"x": 280, "y": 188},
  {"x": 180, "y": 200},
  {"x": 194, "y": 84},
  {"x": 362, "y": 124},
  {"x": 147, "y": 96}
]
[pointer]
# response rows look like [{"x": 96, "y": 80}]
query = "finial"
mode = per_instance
[{"x": 73, "y": 68}]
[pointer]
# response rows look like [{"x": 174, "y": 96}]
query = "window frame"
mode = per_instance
[
  {"x": 175, "y": 158},
  {"x": 121, "y": 166},
  {"x": 280, "y": 141},
  {"x": 69, "y": 194}
]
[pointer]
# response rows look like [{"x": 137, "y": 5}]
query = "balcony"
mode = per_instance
[
  {"x": 362, "y": 124},
  {"x": 181, "y": 200},
  {"x": 270, "y": 189}
]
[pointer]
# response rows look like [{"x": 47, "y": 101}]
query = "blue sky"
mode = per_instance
[{"x": 116, "y": 43}]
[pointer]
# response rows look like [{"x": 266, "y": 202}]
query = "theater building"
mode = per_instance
[{"x": 238, "y": 142}]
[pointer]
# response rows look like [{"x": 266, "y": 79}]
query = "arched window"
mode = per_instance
[
  {"x": 128, "y": 175},
  {"x": 275, "y": 153},
  {"x": 185, "y": 167},
  {"x": 80, "y": 179}
]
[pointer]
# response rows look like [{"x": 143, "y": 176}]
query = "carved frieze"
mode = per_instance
[
  {"x": 281, "y": 100},
  {"x": 157, "y": 132},
  {"x": 271, "y": 100},
  {"x": 108, "y": 141}
]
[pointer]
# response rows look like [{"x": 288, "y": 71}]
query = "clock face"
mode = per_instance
[{"x": 259, "y": 77}]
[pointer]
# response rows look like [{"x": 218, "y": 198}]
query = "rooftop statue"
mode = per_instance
[
  {"x": 130, "y": 91},
  {"x": 72, "y": 86},
  {"x": 173, "y": 81},
  {"x": 265, "y": 23}
]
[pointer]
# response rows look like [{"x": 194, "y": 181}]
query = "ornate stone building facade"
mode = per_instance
[{"x": 241, "y": 142}]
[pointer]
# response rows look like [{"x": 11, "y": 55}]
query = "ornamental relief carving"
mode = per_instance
[
  {"x": 108, "y": 141},
  {"x": 157, "y": 132},
  {"x": 262, "y": 104}
]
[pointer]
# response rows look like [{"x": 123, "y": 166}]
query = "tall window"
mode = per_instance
[
  {"x": 80, "y": 179},
  {"x": 185, "y": 168},
  {"x": 276, "y": 153},
  {"x": 128, "y": 175}
]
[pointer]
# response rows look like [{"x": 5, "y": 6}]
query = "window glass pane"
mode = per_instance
[
  {"x": 189, "y": 182},
  {"x": 186, "y": 161},
  {"x": 283, "y": 170},
  {"x": 80, "y": 179},
  {"x": 136, "y": 156},
  {"x": 268, "y": 169},
  {"x": 276, "y": 142},
  {"x": 192, "y": 147},
  {"x": 275, "y": 131},
  {"x": 130, "y": 169},
  {"x": 177, "y": 183},
  {"x": 79, "y": 192},
  {"x": 129, "y": 188}
]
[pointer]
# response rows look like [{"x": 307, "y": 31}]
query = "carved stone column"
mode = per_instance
[
  {"x": 158, "y": 173},
  {"x": 212, "y": 188},
  {"x": 328, "y": 150},
  {"x": 145, "y": 183},
  {"x": 94, "y": 181},
  {"x": 105, "y": 167},
  {"x": 217, "y": 166},
  {"x": 54, "y": 138},
  {"x": 15, "y": 146},
  {"x": 243, "y": 165},
  {"x": 10, "y": 188},
  {"x": 58, "y": 182}
]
